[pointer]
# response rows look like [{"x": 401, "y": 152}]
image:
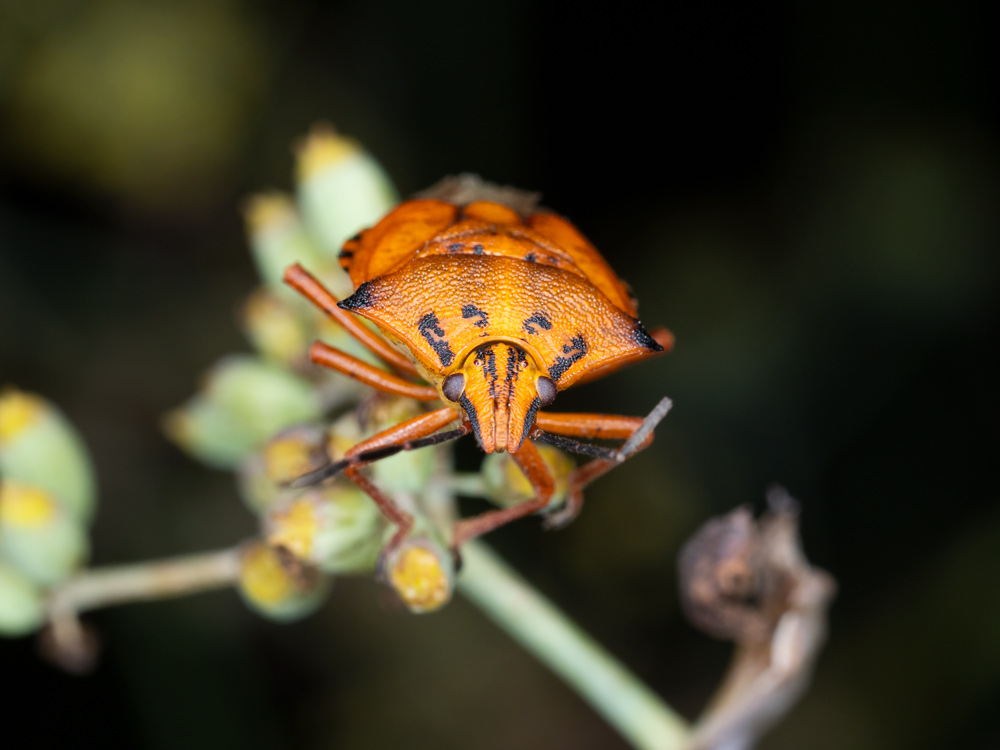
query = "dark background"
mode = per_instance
[{"x": 807, "y": 195}]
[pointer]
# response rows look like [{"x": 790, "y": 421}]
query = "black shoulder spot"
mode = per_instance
[
  {"x": 361, "y": 298},
  {"x": 641, "y": 336}
]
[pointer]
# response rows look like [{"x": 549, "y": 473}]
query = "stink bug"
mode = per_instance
[{"x": 497, "y": 311}]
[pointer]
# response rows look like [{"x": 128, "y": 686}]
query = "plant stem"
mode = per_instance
[
  {"x": 158, "y": 579},
  {"x": 614, "y": 692}
]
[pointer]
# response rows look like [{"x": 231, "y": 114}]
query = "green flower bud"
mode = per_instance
[
  {"x": 423, "y": 574},
  {"x": 276, "y": 330},
  {"x": 342, "y": 189},
  {"x": 506, "y": 484},
  {"x": 22, "y": 608},
  {"x": 337, "y": 528},
  {"x": 37, "y": 535},
  {"x": 264, "y": 475},
  {"x": 245, "y": 402},
  {"x": 278, "y": 588},
  {"x": 278, "y": 239},
  {"x": 39, "y": 447}
]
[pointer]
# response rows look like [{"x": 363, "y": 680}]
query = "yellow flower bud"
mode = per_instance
[
  {"x": 275, "y": 329},
  {"x": 39, "y": 447},
  {"x": 423, "y": 575},
  {"x": 506, "y": 484},
  {"x": 278, "y": 239},
  {"x": 335, "y": 527},
  {"x": 37, "y": 535},
  {"x": 342, "y": 189},
  {"x": 276, "y": 589},
  {"x": 264, "y": 474}
]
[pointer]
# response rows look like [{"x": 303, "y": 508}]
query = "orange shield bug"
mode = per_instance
[{"x": 496, "y": 312}]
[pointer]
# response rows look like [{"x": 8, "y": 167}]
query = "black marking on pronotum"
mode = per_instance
[
  {"x": 471, "y": 311},
  {"x": 375, "y": 454},
  {"x": 431, "y": 330},
  {"x": 529, "y": 418},
  {"x": 470, "y": 413},
  {"x": 477, "y": 249},
  {"x": 575, "y": 446},
  {"x": 576, "y": 349},
  {"x": 455, "y": 247},
  {"x": 641, "y": 336},
  {"x": 361, "y": 298},
  {"x": 538, "y": 319},
  {"x": 346, "y": 253},
  {"x": 530, "y": 257}
]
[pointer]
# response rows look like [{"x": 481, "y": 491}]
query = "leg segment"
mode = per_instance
[
  {"x": 637, "y": 432},
  {"x": 529, "y": 460},
  {"x": 342, "y": 362},
  {"x": 309, "y": 287},
  {"x": 411, "y": 429}
]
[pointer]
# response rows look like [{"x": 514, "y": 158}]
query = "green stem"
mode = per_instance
[
  {"x": 156, "y": 579},
  {"x": 614, "y": 692}
]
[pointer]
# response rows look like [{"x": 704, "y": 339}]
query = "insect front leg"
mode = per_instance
[
  {"x": 380, "y": 380},
  {"x": 410, "y": 430},
  {"x": 636, "y": 431},
  {"x": 529, "y": 460}
]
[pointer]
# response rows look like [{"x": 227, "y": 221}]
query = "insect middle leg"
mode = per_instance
[
  {"x": 380, "y": 380},
  {"x": 529, "y": 460},
  {"x": 312, "y": 289},
  {"x": 611, "y": 426}
]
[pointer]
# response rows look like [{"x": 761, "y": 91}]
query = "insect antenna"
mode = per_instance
[{"x": 375, "y": 454}]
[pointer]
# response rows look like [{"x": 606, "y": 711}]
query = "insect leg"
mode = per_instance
[
  {"x": 529, "y": 460},
  {"x": 411, "y": 430},
  {"x": 310, "y": 287},
  {"x": 342, "y": 362},
  {"x": 637, "y": 432}
]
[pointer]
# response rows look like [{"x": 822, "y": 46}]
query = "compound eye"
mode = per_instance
[
  {"x": 453, "y": 386},
  {"x": 546, "y": 388}
]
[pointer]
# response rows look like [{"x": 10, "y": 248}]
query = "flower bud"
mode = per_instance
[
  {"x": 342, "y": 189},
  {"x": 276, "y": 330},
  {"x": 264, "y": 475},
  {"x": 244, "y": 402},
  {"x": 506, "y": 484},
  {"x": 37, "y": 535},
  {"x": 277, "y": 588},
  {"x": 22, "y": 608},
  {"x": 423, "y": 574},
  {"x": 337, "y": 528},
  {"x": 39, "y": 447},
  {"x": 278, "y": 239}
]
